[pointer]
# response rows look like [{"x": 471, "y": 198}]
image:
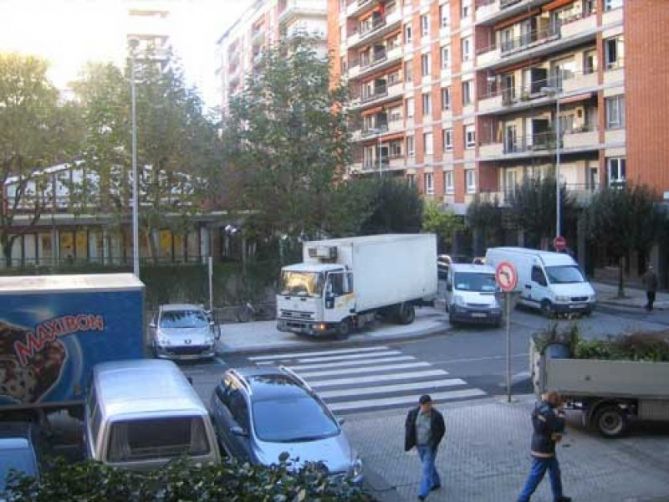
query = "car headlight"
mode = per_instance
[
  {"x": 459, "y": 300},
  {"x": 562, "y": 298},
  {"x": 356, "y": 470}
]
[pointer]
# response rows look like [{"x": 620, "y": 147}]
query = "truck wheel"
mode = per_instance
[
  {"x": 343, "y": 329},
  {"x": 547, "y": 309},
  {"x": 406, "y": 314},
  {"x": 611, "y": 421}
]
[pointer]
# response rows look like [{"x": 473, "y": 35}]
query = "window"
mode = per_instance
[
  {"x": 411, "y": 179},
  {"x": 466, "y": 48},
  {"x": 410, "y": 146},
  {"x": 408, "y": 71},
  {"x": 445, "y": 98},
  {"x": 467, "y": 92},
  {"x": 395, "y": 114},
  {"x": 589, "y": 62},
  {"x": 449, "y": 186},
  {"x": 466, "y": 9},
  {"x": 425, "y": 65},
  {"x": 443, "y": 15},
  {"x": 427, "y": 103},
  {"x": 470, "y": 136},
  {"x": 448, "y": 139},
  {"x": 615, "y": 112},
  {"x": 537, "y": 275},
  {"x": 612, "y": 4},
  {"x": 395, "y": 149},
  {"x": 470, "y": 180},
  {"x": 424, "y": 26},
  {"x": 616, "y": 167},
  {"x": 428, "y": 143},
  {"x": 428, "y": 180},
  {"x": 445, "y": 57},
  {"x": 613, "y": 52},
  {"x": 407, "y": 34},
  {"x": 410, "y": 107}
]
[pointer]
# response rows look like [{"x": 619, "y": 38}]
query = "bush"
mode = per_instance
[{"x": 181, "y": 481}]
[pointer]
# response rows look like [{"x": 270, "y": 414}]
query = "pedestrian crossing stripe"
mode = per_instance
[
  {"x": 363, "y": 369},
  {"x": 394, "y": 401},
  {"x": 383, "y": 389},
  {"x": 348, "y": 357},
  {"x": 312, "y": 353},
  {"x": 343, "y": 364},
  {"x": 317, "y": 384}
]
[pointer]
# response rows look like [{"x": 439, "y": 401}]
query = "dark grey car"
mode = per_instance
[
  {"x": 259, "y": 413},
  {"x": 17, "y": 451}
]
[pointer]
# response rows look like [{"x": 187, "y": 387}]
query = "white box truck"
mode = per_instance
[
  {"x": 343, "y": 283},
  {"x": 552, "y": 282}
]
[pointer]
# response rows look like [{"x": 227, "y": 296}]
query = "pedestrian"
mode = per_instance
[
  {"x": 425, "y": 429},
  {"x": 548, "y": 423},
  {"x": 650, "y": 281}
]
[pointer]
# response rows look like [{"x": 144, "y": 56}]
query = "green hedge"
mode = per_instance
[{"x": 181, "y": 481}]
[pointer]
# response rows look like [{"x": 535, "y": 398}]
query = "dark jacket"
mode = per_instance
[
  {"x": 650, "y": 281},
  {"x": 546, "y": 421},
  {"x": 437, "y": 429}
]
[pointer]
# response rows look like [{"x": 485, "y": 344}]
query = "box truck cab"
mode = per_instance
[
  {"x": 471, "y": 295},
  {"x": 343, "y": 283},
  {"x": 551, "y": 282}
]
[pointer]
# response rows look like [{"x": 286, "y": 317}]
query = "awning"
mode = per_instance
[
  {"x": 515, "y": 19},
  {"x": 556, "y": 4},
  {"x": 576, "y": 98},
  {"x": 372, "y": 111},
  {"x": 392, "y": 136}
]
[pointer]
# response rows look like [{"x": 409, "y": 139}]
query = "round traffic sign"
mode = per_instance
[
  {"x": 560, "y": 243},
  {"x": 507, "y": 277}
]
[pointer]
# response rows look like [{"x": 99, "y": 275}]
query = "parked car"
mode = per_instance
[
  {"x": 183, "y": 332},
  {"x": 471, "y": 295},
  {"x": 142, "y": 414},
  {"x": 259, "y": 413},
  {"x": 445, "y": 260},
  {"x": 17, "y": 451}
]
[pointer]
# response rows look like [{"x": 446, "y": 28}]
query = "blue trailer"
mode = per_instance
[{"x": 55, "y": 328}]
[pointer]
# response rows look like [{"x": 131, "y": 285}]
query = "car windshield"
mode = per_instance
[
  {"x": 157, "y": 438},
  {"x": 183, "y": 319},
  {"x": 17, "y": 459},
  {"x": 292, "y": 419},
  {"x": 475, "y": 281},
  {"x": 568, "y": 274},
  {"x": 302, "y": 283}
]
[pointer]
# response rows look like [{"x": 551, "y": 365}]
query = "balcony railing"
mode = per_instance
[
  {"x": 530, "y": 39},
  {"x": 378, "y": 93},
  {"x": 368, "y": 62},
  {"x": 371, "y": 131},
  {"x": 540, "y": 141},
  {"x": 373, "y": 164},
  {"x": 367, "y": 28}
]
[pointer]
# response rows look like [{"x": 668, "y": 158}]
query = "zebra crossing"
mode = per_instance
[{"x": 370, "y": 378}]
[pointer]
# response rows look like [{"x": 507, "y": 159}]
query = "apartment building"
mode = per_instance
[
  {"x": 260, "y": 26},
  {"x": 470, "y": 96},
  {"x": 148, "y": 24}
]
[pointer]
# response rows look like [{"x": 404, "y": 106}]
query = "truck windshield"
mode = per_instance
[
  {"x": 474, "y": 281},
  {"x": 567, "y": 274},
  {"x": 183, "y": 319},
  {"x": 302, "y": 283}
]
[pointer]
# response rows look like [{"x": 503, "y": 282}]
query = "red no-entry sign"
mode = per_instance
[
  {"x": 506, "y": 276},
  {"x": 560, "y": 243}
]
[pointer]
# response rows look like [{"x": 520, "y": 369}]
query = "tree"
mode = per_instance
[
  {"x": 484, "y": 216},
  {"x": 36, "y": 131},
  {"x": 622, "y": 219},
  {"x": 533, "y": 208},
  {"x": 444, "y": 223},
  {"x": 286, "y": 141},
  {"x": 396, "y": 208}
]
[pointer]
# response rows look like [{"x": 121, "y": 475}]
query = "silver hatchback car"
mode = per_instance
[
  {"x": 182, "y": 331},
  {"x": 260, "y": 413}
]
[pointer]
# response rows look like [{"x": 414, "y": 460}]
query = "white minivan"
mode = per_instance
[
  {"x": 141, "y": 414},
  {"x": 471, "y": 295},
  {"x": 552, "y": 282}
]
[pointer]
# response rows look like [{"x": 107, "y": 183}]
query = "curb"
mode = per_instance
[{"x": 633, "y": 308}]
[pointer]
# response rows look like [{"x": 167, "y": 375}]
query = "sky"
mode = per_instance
[{"x": 68, "y": 33}]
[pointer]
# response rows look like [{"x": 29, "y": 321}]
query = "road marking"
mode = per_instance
[
  {"x": 474, "y": 359},
  {"x": 295, "y": 355},
  {"x": 375, "y": 378},
  {"x": 393, "y": 401},
  {"x": 392, "y": 359},
  {"x": 349, "y": 357},
  {"x": 220, "y": 361},
  {"x": 380, "y": 389},
  {"x": 365, "y": 369}
]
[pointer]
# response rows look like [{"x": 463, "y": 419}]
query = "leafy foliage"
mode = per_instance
[
  {"x": 180, "y": 481},
  {"x": 485, "y": 215},
  {"x": 444, "y": 223},
  {"x": 396, "y": 208}
]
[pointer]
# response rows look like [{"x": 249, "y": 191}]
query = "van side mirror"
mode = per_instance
[
  {"x": 329, "y": 301},
  {"x": 238, "y": 431}
]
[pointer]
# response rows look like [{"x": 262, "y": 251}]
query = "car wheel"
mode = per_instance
[
  {"x": 343, "y": 329},
  {"x": 611, "y": 421},
  {"x": 406, "y": 314},
  {"x": 547, "y": 309}
]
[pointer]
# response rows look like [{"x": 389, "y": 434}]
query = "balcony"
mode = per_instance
[
  {"x": 296, "y": 8},
  {"x": 380, "y": 95},
  {"x": 585, "y": 138},
  {"x": 377, "y": 28},
  {"x": 582, "y": 194},
  {"x": 358, "y": 7},
  {"x": 372, "y": 165},
  {"x": 379, "y": 61},
  {"x": 493, "y": 150}
]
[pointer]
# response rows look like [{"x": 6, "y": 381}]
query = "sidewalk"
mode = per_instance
[
  {"x": 607, "y": 294},
  {"x": 485, "y": 457},
  {"x": 261, "y": 336}
]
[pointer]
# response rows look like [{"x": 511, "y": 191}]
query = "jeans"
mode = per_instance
[
  {"x": 650, "y": 295},
  {"x": 539, "y": 466},
  {"x": 429, "y": 475}
]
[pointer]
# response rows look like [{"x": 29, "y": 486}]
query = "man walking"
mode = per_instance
[
  {"x": 548, "y": 423},
  {"x": 650, "y": 281},
  {"x": 424, "y": 429}
]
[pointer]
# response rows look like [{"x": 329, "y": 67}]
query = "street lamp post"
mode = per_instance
[
  {"x": 380, "y": 159},
  {"x": 555, "y": 91},
  {"x": 135, "y": 196}
]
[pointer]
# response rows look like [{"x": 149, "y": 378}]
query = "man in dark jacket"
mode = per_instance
[
  {"x": 548, "y": 423},
  {"x": 424, "y": 429},
  {"x": 650, "y": 281}
]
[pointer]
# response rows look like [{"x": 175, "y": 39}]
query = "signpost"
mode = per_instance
[
  {"x": 559, "y": 243},
  {"x": 507, "y": 280}
]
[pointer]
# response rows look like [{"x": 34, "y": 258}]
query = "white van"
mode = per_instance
[
  {"x": 552, "y": 282},
  {"x": 141, "y": 414},
  {"x": 471, "y": 294}
]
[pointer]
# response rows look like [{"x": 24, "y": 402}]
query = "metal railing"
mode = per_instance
[
  {"x": 534, "y": 142},
  {"x": 378, "y": 93}
]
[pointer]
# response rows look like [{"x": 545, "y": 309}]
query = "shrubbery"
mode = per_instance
[{"x": 181, "y": 481}]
